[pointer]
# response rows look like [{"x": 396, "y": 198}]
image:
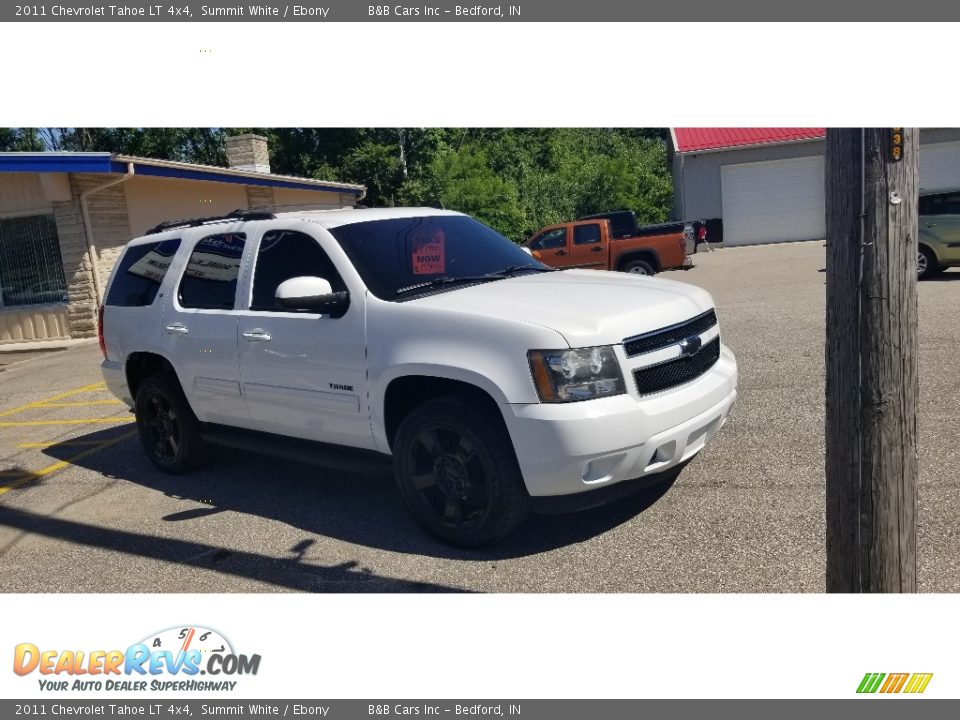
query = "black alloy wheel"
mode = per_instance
[
  {"x": 169, "y": 431},
  {"x": 457, "y": 471},
  {"x": 449, "y": 476},
  {"x": 162, "y": 428}
]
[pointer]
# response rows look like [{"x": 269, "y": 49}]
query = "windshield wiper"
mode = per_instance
[
  {"x": 445, "y": 280},
  {"x": 511, "y": 269},
  {"x": 448, "y": 280}
]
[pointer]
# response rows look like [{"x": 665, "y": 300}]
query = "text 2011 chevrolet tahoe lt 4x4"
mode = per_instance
[{"x": 496, "y": 383}]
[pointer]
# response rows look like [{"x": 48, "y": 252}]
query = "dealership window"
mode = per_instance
[{"x": 31, "y": 270}]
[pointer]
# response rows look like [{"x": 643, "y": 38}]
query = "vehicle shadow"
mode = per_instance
[
  {"x": 361, "y": 509},
  {"x": 291, "y": 572},
  {"x": 945, "y": 276}
]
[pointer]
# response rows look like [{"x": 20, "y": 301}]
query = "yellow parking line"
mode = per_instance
[
  {"x": 31, "y": 475},
  {"x": 84, "y": 421},
  {"x": 65, "y": 443},
  {"x": 69, "y": 393},
  {"x": 76, "y": 404}
]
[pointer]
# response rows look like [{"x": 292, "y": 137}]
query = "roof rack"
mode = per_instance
[{"x": 197, "y": 222}]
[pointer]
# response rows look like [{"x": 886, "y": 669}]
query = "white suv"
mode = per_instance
[{"x": 349, "y": 336}]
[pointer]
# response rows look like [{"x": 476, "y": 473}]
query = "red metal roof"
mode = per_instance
[{"x": 700, "y": 139}]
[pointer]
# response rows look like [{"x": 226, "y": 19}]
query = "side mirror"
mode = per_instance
[
  {"x": 527, "y": 250},
  {"x": 311, "y": 294}
]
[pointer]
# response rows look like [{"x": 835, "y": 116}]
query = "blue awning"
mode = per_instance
[{"x": 107, "y": 163}]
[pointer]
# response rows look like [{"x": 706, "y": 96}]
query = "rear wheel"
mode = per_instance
[
  {"x": 638, "y": 267},
  {"x": 169, "y": 431},
  {"x": 456, "y": 470},
  {"x": 927, "y": 265}
]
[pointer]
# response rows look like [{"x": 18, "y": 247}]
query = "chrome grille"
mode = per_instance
[{"x": 665, "y": 337}]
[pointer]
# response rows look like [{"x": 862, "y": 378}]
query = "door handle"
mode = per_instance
[
  {"x": 561, "y": 252},
  {"x": 931, "y": 225},
  {"x": 596, "y": 248},
  {"x": 256, "y": 335},
  {"x": 177, "y": 329}
]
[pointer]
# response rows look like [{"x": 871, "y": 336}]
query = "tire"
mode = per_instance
[
  {"x": 638, "y": 267},
  {"x": 169, "y": 431},
  {"x": 457, "y": 472},
  {"x": 927, "y": 265}
]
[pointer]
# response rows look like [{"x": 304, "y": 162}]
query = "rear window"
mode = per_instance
[
  {"x": 622, "y": 224},
  {"x": 586, "y": 234},
  {"x": 140, "y": 273},
  {"x": 210, "y": 279}
]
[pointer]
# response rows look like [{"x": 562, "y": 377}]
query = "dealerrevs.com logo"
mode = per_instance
[
  {"x": 892, "y": 683},
  {"x": 172, "y": 659}
]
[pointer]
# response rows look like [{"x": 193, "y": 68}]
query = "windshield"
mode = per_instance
[{"x": 407, "y": 257}]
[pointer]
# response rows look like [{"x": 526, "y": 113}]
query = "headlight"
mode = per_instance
[{"x": 573, "y": 375}]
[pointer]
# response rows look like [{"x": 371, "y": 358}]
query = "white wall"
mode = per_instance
[
  {"x": 22, "y": 193},
  {"x": 290, "y": 199},
  {"x": 151, "y": 200}
]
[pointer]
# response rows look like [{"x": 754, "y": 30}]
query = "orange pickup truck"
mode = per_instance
[{"x": 588, "y": 244}]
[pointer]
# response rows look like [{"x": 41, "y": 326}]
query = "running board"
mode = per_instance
[{"x": 334, "y": 457}]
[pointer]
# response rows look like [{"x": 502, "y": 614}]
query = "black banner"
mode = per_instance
[
  {"x": 512, "y": 11},
  {"x": 854, "y": 709}
]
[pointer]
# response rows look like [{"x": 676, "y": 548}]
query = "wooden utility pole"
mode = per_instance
[{"x": 871, "y": 359}]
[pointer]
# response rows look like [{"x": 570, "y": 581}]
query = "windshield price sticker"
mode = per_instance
[{"x": 428, "y": 254}]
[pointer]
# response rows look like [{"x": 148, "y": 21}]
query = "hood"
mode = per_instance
[{"x": 587, "y": 307}]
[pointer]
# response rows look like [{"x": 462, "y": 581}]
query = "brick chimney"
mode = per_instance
[{"x": 248, "y": 152}]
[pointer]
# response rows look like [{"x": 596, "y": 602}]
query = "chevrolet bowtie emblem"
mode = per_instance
[{"x": 690, "y": 346}]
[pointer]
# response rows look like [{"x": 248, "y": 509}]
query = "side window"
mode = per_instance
[
  {"x": 586, "y": 234},
  {"x": 551, "y": 240},
  {"x": 210, "y": 280},
  {"x": 286, "y": 254},
  {"x": 140, "y": 273},
  {"x": 952, "y": 204},
  {"x": 945, "y": 204}
]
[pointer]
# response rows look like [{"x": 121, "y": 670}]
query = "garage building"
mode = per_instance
[
  {"x": 65, "y": 217},
  {"x": 766, "y": 185}
]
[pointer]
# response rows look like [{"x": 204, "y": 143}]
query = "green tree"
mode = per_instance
[{"x": 464, "y": 181}]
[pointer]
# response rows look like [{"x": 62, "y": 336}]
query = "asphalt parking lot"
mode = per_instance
[{"x": 82, "y": 510}]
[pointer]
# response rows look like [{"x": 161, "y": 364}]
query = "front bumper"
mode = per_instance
[
  {"x": 604, "y": 495},
  {"x": 565, "y": 449}
]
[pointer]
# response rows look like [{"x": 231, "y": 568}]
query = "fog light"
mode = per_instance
[
  {"x": 662, "y": 455},
  {"x": 601, "y": 469}
]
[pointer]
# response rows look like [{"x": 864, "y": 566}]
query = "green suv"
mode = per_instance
[{"x": 939, "y": 233}]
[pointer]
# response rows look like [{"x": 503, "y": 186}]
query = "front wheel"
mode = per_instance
[
  {"x": 168, "y": 429},
  {"x": 457, "y": 472},
  {"x": 638, "y": 267}
]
